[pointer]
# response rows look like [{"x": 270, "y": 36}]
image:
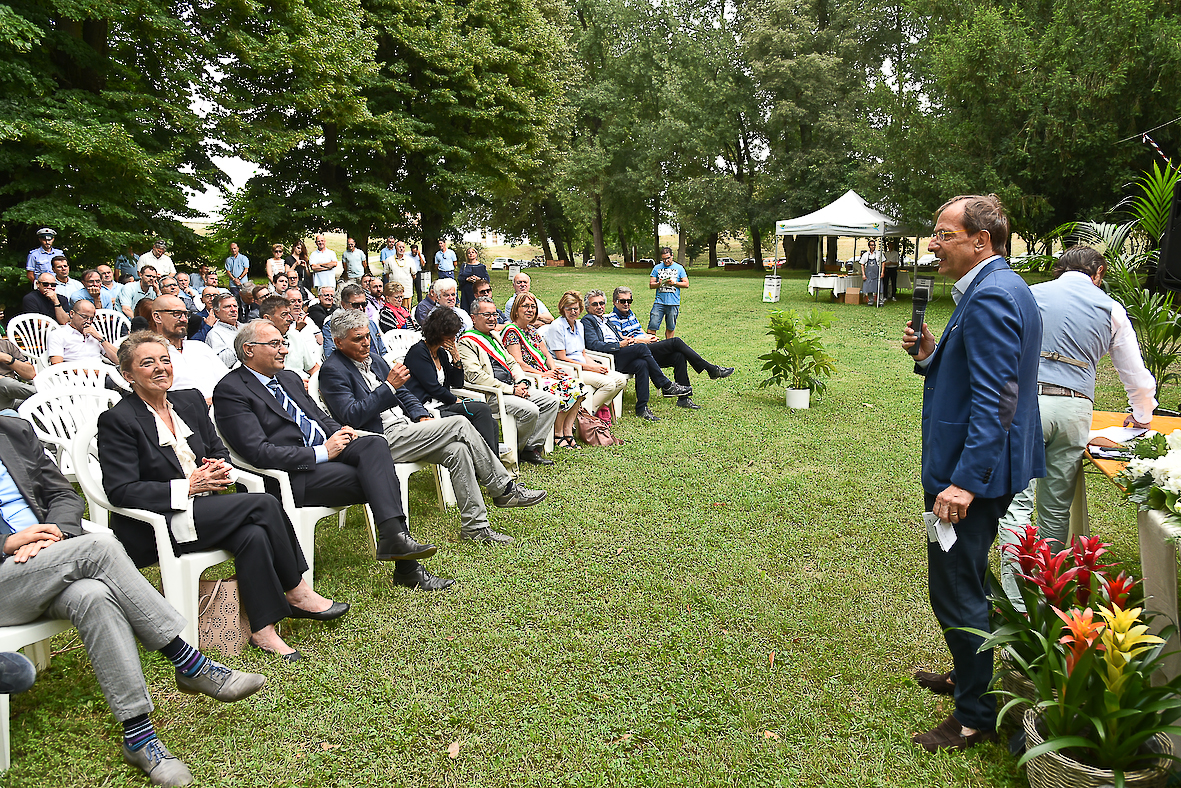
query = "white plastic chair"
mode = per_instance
[
  {"x": 30, "y": 332},
  {"x": 179, "y": 574},
  {"x": 113, "y": 325},
  {"x": 58, "y": 416},
  {"x": 444, "y": 490},
  {"x": 73, "y": 376},
  {"x": 398, "y": 343},
  {"x": 508, "y": 424}
]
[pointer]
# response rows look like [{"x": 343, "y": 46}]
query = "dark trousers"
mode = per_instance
[
  {"x": 267, "y": 557},
  {"x": 480, "y": 415},
  {"x": 362, "y": 473},
  {"x": 677, "y": 354},
  {"x": 890, "y": 283},
  {"x": 637, "y": 360},
  {"x": 957, "y": 587}
]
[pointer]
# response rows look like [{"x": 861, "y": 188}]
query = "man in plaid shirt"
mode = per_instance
[{"x": 674, "y": 352}]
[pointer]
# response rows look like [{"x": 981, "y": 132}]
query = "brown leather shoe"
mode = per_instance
[
  {"x": 947, "y": 736},
  {"x": 939, "y": 683}
]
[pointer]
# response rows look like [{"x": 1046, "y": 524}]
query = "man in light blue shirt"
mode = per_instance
[
  {"x": 92, "y": 291},
  {"x": 668, "y": 278},
  {"x": 445, "y": 260},
  {"x": 40, "y": 260},
  {"x": 126, "y": 263},
  {"x": 236, "y": 267}
]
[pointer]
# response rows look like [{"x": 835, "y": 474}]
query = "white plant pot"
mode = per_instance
[{"x": 798, "y": 398}]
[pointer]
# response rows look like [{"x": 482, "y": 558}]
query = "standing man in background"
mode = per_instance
[
  {"x": 355, "y": 260},
  {"x": 158, "y": 258},
  {"x": 417, "y": 268},
  {"x": 445, "y": 261},
  {"x": 668, "y": 278},
  {"x": 125, "y": 263},
  {"x": 982, "y": 443},
  {"x": 387, "y": 254},
  {"x": 237, "y": 268},
  {"x": 323, "y": 263},
  {"x": 1080, "y": 325},
  {"x": 40, "y": 260}
]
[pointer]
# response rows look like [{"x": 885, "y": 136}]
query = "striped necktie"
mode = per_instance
[{"x": 312, "y": 434}]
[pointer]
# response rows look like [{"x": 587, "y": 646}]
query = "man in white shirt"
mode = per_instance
[
  {"x": 304, "y": 325},
  {"x": 299, "y": 357},
  {"x": 66, "y": 286},
  {"x": 324, "y": 264},
  {"x": 521, "y": 284},
  {"x": 400, "y": 268},
  {"x": 194, "y": 364},
  {"x": 445, "y": 291},
  {"x": 158, "y": 259},
  {"x": 1080, "y": 325},
  {"x": 78, "y": 341},
  {"x": 221, "y": 337}
]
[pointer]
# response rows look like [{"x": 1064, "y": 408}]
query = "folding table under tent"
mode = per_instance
[{"x": 848, "y": 215}]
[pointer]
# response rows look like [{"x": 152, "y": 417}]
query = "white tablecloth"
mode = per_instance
[{"x": 837, "y": 284}]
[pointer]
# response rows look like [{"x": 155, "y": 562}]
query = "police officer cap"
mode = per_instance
[{"x": 45, "y": 231}]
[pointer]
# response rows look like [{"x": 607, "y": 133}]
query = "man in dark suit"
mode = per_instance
[
  {"x": 363, "y": 391},
  {"x": 982, "y": 443},
  {"x": 266, "y": 415},
  {"x": 49, "y": 567}
]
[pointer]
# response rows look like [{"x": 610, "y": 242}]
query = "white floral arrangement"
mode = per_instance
[{"x": 1152, "y": 477}]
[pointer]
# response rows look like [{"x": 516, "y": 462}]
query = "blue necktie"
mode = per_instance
[{"x": 312, "y": 434}]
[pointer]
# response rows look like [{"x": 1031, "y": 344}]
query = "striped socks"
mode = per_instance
[
  {"x": 187, "y": 659},
  {"x": 137, "y": 732}
]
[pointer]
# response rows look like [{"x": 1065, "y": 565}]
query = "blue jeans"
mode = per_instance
[
  {"x": 668, "y": 312},
  {"x": 17, "y": 673}
]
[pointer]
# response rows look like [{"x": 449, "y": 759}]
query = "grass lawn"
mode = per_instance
[{"x": 736, "y": 596}]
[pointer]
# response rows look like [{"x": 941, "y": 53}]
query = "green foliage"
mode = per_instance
[
  {"x": 799, "y": 360},
  {"x": 1151, "y": 207},
  {"x": 14, "y": 286}
]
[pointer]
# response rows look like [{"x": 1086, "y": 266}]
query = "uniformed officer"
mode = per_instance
[{"x": 40, "y": 259}]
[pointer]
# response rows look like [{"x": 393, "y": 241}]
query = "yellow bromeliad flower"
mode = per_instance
[{"x": 1123, "y": 638}]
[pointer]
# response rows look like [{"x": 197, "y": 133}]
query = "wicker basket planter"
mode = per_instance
[
  {"x": 1015, "y": 682},
  {"x": 1055, "y": 770}
]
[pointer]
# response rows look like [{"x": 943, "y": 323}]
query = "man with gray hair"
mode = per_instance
[
  {"x": 521, "y": 283},
  {"x": 353, "y": 297},
  {"x": 1080, "y": 325},
  {"x": 428, "y": 304},
  {"x": 443, "y": 293},
  {"x": 221, "y": 336},
  {"x": 363, "y": 391}
]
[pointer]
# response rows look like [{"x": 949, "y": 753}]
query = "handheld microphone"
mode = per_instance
[{"x": 923, "y": 287}]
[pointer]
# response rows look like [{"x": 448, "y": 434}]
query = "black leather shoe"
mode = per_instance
[
  {"x": 720, "y": 372},
  {"x": 535, "y": 458},
  {"x": 685, "y": 402},
  {"x": 646, "y": 414},
  {"x": 400, "y": 546},
  {"x": 676, "y": 390},
  {"x": 421, "y": 580},
  {"x": 335, "y": 610}
]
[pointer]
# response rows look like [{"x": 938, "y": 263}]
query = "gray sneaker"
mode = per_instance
[
  {"x": 485, "y": 535},
  {"x": 161, "y": 766},
  {"x": 220, "y": 683},
  {"x": 520, "y": 496}
]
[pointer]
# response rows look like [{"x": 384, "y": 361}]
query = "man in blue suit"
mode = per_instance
[{"x": 982, "y": 443}]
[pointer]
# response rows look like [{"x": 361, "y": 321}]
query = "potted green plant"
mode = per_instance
[
  {"x": 1095, "y": 717},
  {"x": 799, "y": 360}
]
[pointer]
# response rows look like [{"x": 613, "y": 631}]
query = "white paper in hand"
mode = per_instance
[{"x": 939, "y": 531}]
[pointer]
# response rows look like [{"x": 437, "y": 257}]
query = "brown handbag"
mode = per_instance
[
  {"x": 593, "y": 431},
  {"x": 221, "y": 625}
]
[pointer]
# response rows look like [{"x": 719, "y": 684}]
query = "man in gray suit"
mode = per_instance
[{"x": 49, "y": 567}]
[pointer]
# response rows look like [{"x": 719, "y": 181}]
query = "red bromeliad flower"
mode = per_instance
[
  {"x": 1086, "y": 550},
  {"x": 1050, "y": 577},
  {"x": 1118, "y": 589},
  {"x": 1084, "y": 631},
  {"x": 1026, "y": 550}
]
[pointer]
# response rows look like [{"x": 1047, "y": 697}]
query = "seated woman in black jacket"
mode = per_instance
[{"x": 435, "y": 370}]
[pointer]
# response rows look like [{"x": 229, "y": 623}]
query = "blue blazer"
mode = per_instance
[
  {"x": 594, "y": 338},
  {"x": 981, "y": 427},
  {"x": 351, "y": 402}
]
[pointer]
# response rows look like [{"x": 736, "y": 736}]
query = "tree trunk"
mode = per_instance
[
  {"x": 756, "y": 235},
  {"x": 656, "y": 226},
  {"x": 713, "y": 250},
  {"x": 831, "y": 257},
  {"x": 623, "y": 245},
  {"x": 597, "y": 232},
  {"x": 544, "y": 234},
  {"x": 682, "y": 242}
]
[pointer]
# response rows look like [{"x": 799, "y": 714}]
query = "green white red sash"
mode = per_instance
[
  {"x": 490, "y": 346},
  {"x": 538, "y": 356}
]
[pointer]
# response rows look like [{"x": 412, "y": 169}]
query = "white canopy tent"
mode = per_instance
[{"x": 848, "y": 215}]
